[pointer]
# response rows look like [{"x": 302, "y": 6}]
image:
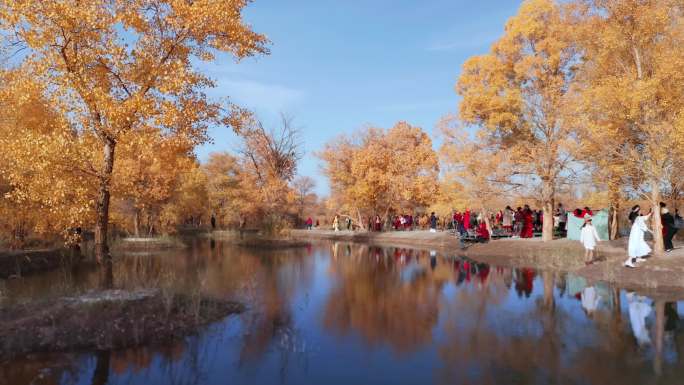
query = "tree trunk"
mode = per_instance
[
  {"x": 658, "y": 243},
  {"x": 485, "y": 214},
  {"x": 136, "y": 223},
  {"x": 613, "y": 220},
  {"x": 362, "y": 225},
  {"x": 614, "y": 199},
  {"x": 547, "y": 210},
  {"x": 102, "y": 216}
]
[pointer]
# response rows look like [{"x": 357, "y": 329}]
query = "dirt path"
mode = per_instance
[{"x": 442, "y": 241}]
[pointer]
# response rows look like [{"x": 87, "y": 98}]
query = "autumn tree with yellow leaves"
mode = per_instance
[
  {"x": 379, "y": 171},
  {"x": 516, "y": 93},
  {"x": 36, "y": 146},
  {"x": 116, "y": 67},
  {"x": 149, "y": 172},
  {"x": 481, "y": 172},
  {"x": 629, "y": 96},
  {"x": 224, "y": 188}
]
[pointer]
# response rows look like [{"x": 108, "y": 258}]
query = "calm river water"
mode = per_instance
[{"x": 337, "y": 313}]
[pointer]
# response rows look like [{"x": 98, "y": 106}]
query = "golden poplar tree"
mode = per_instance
[
  {"x": 515, "y": 95},
  {"x": 629, "y": 90},
  {"x": 383, "y": 171},
  {"x": 116, "y": 66},
  {"x": 36, "y": 147},
  {"x": 481, "y": 172}
]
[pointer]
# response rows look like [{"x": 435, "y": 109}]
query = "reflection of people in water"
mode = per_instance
[
  {"x": 433, "y": 259},
  {"x": 671, "y": 316},
  {"x": 590, "y": 300},
  {"x": 639, "y": 309},
  {"x": 524, "y": 282}
]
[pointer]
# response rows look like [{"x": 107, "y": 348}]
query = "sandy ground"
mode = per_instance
[{"x": 659, "y": 275}]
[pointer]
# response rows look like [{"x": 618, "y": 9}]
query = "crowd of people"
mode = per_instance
[{"x": 523, "y": 222}]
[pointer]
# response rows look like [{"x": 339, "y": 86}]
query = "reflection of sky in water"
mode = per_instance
[{"x": 348, "y": 314}]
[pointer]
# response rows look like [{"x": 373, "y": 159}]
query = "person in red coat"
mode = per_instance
[
  {"x": 482, "y": 231},
  {"x": 466, "y": 219},
  {"x": 528, "y": 223},
  {"x": 586, "y": 211}
]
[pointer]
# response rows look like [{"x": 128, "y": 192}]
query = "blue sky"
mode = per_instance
[{"x": 336, "y": 66}]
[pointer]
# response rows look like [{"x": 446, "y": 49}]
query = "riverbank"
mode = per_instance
[
  {"x": 103, "y": 320},
  {"x": 441, "y": 241},
  {"x": 664, "y": 274}
]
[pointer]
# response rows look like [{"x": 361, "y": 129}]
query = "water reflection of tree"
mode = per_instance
[
  {"x": 542, "y": 345},
  {"x": 267, "y": 281},
  {"x": 30, "y": 370},
  {"x": 372, "y": 299}
]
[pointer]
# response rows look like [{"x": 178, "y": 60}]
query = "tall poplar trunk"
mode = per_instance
[
  {"x": 102, "y": 216},
  {"x": 614, "y": 204},
  {"x": 485, "y": 214},
  {"x": 547, "y": 210},
  {"x": 547, "y": 224},
  {"x": 136, "y": 223},
  {"x": 658, "y": 242},
  {"x": 362, "y": 225},
  {"x": 613, "y": 220}
]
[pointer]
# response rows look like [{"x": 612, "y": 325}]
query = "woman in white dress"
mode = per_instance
[
  {"x": 638, "y": 248},
  {"x": 507, "y": 221},
  {"x": 588, "y": 237}
]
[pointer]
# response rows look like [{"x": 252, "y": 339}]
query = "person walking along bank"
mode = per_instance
[
  {"x": 638, "y": 248},
  {"x": 589, "y": 237}
]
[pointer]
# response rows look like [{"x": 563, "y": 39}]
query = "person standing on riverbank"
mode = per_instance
[
  {"x": 669, "y": 229},
  {"x": 518, "y": 222},
  {"x": 638, "y": 248},
  {"x": 528, "y": 223},
  {"x": 508, "y": 219},
  {"x": 336, "y": 223},
  {"x": 562, "y": 217},
  {"x": 589, "y": 237},
  {"x": 433, "y": 223},
  {"x": 466, "y": 219}
]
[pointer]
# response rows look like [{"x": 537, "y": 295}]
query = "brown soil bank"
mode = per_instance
[
  {"x": 146, "y": 244},
  {"x": 19, "y": 263},
  {"x": 442, "y": 241},
  {"x": 271, "y": 243},
  {"x": 105, "y": 320},
  {"x": 560, "y": 254}
]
